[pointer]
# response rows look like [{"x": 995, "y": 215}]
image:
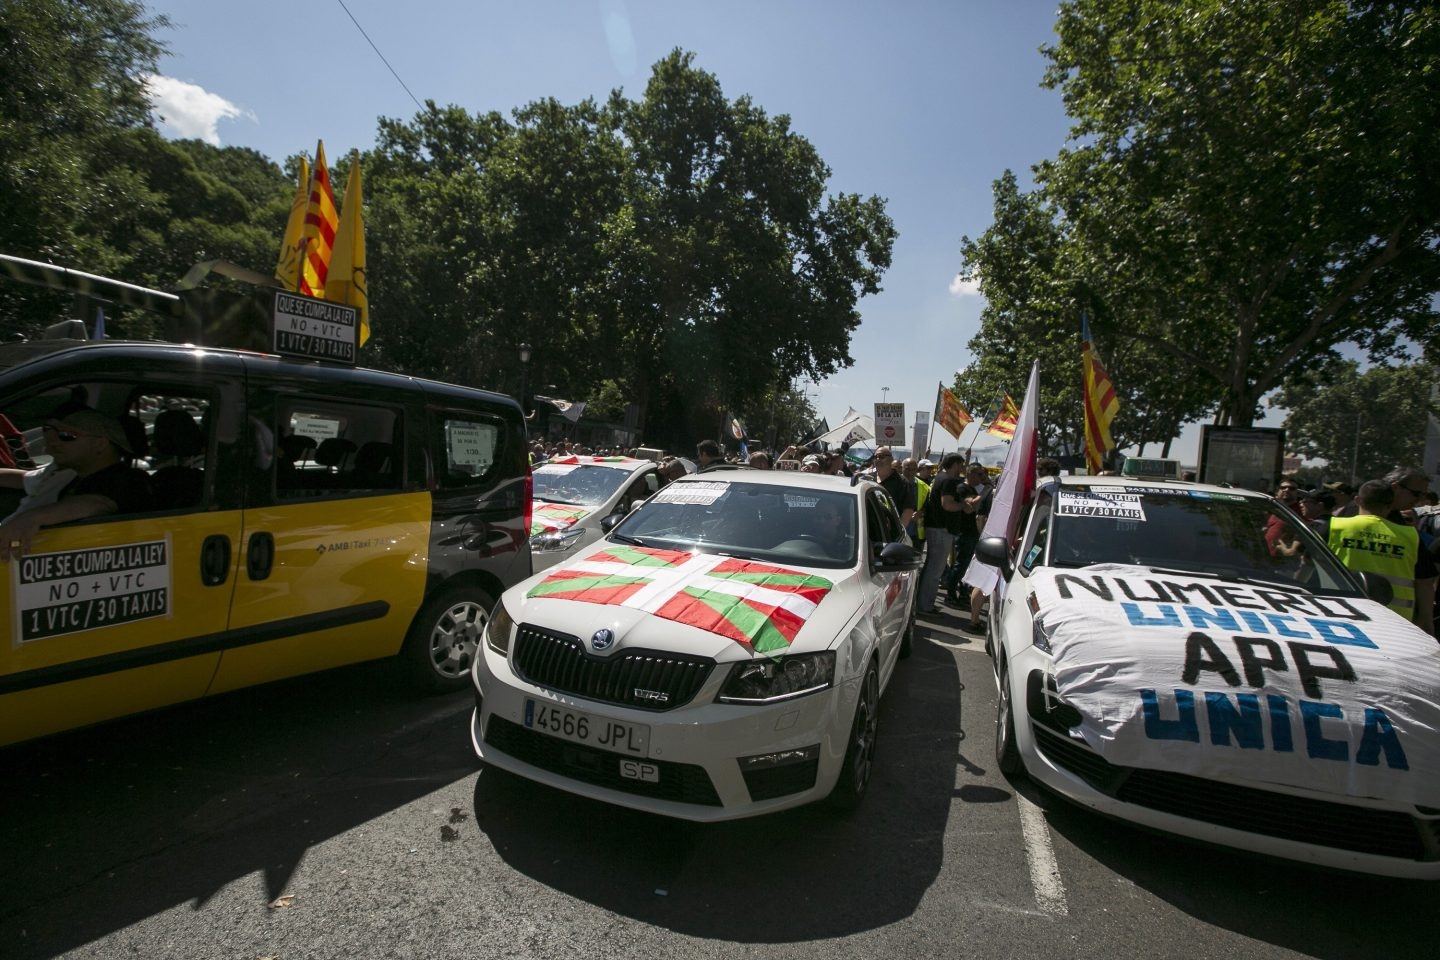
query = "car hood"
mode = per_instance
[
  {"x": 694, "y": 603},
  {"x": 1231, "y": 680}
]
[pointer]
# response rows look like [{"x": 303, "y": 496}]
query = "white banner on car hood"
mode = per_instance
[{"x": 1229, "y": 680}]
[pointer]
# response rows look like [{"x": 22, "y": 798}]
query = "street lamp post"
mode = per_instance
[
  {"x": 884, "y": 394},
  {"x": 524, "y": 377}
]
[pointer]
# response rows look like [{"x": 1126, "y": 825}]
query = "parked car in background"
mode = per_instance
[
  {"x": 574, "y": 494},
  {"x": 720, "y": 653}
]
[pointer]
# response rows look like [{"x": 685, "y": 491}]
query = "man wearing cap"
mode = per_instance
[
  {"x": 96, "y": 448},
  {"x": 811, "y": 464},
  {"x": 1344, "y": 494}
]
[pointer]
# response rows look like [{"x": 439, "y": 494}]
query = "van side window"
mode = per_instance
[
  {"x": 328, "y": 448},
  {"x": 466, "y": 449},
  {"x": 166, "y": 428}
]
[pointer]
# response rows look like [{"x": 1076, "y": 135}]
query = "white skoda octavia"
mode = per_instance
[
  {"x": 720, "y": 653},
  {"x": 1193, "y": 659}
]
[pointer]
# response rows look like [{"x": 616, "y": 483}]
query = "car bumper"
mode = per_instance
[
  {"x": 710, "y": 761},
  {"x": 1346, "y": 833}
]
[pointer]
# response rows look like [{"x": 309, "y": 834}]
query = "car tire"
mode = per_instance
[
  {"x": 1007, "y": 753},
  {"x": 445, "y": 638},
  {"x": 859, "y": 763}
]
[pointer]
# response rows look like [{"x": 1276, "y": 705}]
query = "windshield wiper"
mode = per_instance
[{"x": 1287, "y": 587}]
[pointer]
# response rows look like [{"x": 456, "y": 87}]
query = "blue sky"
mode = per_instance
[{"x": 923, "y": 103}]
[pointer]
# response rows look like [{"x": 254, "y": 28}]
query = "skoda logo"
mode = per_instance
[{"x": 602, "y": 639}]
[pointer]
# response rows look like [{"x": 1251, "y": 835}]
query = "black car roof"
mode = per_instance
[{"x": 119, "y": 354}]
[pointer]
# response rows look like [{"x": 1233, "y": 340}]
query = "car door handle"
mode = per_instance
[
  {"x": 215, "y": 560},
  {"x": 259, "y": 555}
]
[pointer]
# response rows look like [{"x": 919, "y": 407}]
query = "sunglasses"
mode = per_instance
[{"x": 64, "y": 436}]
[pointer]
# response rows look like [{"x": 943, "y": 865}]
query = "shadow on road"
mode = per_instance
[
  {"x": 1315, "y": 912},
  {"x": 102, "y": 828},
  {"x": 799, "y": 875}
]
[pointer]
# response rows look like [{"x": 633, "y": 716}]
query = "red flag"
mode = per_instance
[
  {"x": 1016, "y": 485},
  {"x": 1101, "y": 404},
  {"x": 1003, "y": 423},
  {"x": 949, "y": 414},
  {"x": 321, "y": 222}
]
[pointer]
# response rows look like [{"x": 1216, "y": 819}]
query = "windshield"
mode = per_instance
[
  {"x": 1221, "y": 534},
  {"x": 757, "y": 521},
  {"x": 578, "y": 483}
]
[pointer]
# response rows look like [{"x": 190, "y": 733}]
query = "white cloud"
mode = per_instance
[
  {"x": 185, "y": 111},
  {"x": 964, "y": 288}
]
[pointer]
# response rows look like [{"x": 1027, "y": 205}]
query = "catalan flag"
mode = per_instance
[
  {"x": 1101, "y": 404},
  {"x": 949, "y": 414},
  {"x": 321, "y": 222},
  {"x": 346, "y": 281},
  {"x": 287, "y": 267},
  {"x": 1002, "y": 420}
]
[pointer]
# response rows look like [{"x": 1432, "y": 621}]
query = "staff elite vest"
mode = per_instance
[{"x": 1381, "y": 547}]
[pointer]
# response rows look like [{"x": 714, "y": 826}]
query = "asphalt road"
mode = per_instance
[{"x": 338, "y": 816}]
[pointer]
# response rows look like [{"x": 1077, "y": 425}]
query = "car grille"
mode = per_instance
[
  {"x": 642, "y": 679},
  {"x": 1324, "y": 823},
  {"x": 678, "y": 782}
]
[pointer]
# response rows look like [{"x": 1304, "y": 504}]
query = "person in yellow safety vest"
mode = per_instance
[
  {"x": 1369, "y": 542},
  {"x": 920, "y": 473}
]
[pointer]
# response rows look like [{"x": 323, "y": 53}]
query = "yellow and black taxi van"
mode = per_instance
[{"x": 304, "y": 516}]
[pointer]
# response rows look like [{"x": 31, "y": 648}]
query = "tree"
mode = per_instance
[
  {"x": 1253, "y": 182},
  {"x": 71, "y": 86},
  {"x": 746, "y": 275},
  {"x": 680, "y": 245},
  {"x": 1361, "y": 423},
  {"x": 1025, "y": 263}
]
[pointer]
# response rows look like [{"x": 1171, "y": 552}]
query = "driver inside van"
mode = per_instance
[{"x": 96, "y": 447}]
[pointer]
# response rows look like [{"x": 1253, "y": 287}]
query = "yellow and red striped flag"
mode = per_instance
[
  {"x": 321, "y": 223},
  {"x": 1101, "y": 405},
  {"x": 949, "y": 414},
  {"x": 346, "y": 282},
  {"x": 287, "y": 267},
  {"x": 1002, "y": 424}
]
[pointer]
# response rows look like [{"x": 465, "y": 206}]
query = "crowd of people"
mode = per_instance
[{"x": 1388, "y": 527}]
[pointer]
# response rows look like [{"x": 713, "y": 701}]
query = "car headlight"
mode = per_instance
[
  {"x": 556, "y": 541},
  {"x": 1039, "y": 635},
  {"x": 769, "y": 681},
  {"x": 498, "y": 630}
]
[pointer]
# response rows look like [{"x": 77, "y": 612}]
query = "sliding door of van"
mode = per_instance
[{"x": 333, "y": 557}]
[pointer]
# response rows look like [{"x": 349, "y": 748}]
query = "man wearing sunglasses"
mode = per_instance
[{"x": 96, "y": 448}]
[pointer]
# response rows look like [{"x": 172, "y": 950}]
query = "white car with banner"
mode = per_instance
[
  {"x": 719, "y": 654},
  {"x": 574, "y": 494},
  {"x": 1158, "y": 663}
]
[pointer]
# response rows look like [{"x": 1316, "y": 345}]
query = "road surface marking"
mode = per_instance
[{"x": 1044, "y": 871}]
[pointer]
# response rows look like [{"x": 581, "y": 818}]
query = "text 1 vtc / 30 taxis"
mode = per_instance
[{"x": 720, "y": 653}]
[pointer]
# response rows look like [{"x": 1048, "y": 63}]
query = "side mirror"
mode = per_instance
[
  {"x": 608, "y": 523},
  {"x": 1377, "y": 588},
  {"x": 994, "y": 551},
  {"x": 899, "y": 556}
]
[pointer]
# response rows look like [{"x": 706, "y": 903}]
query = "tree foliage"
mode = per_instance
[
  {"x": 680, "y": 245},
  {"x": 1249, "y": 185},
  {"x": 1362, "y": 424}
]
